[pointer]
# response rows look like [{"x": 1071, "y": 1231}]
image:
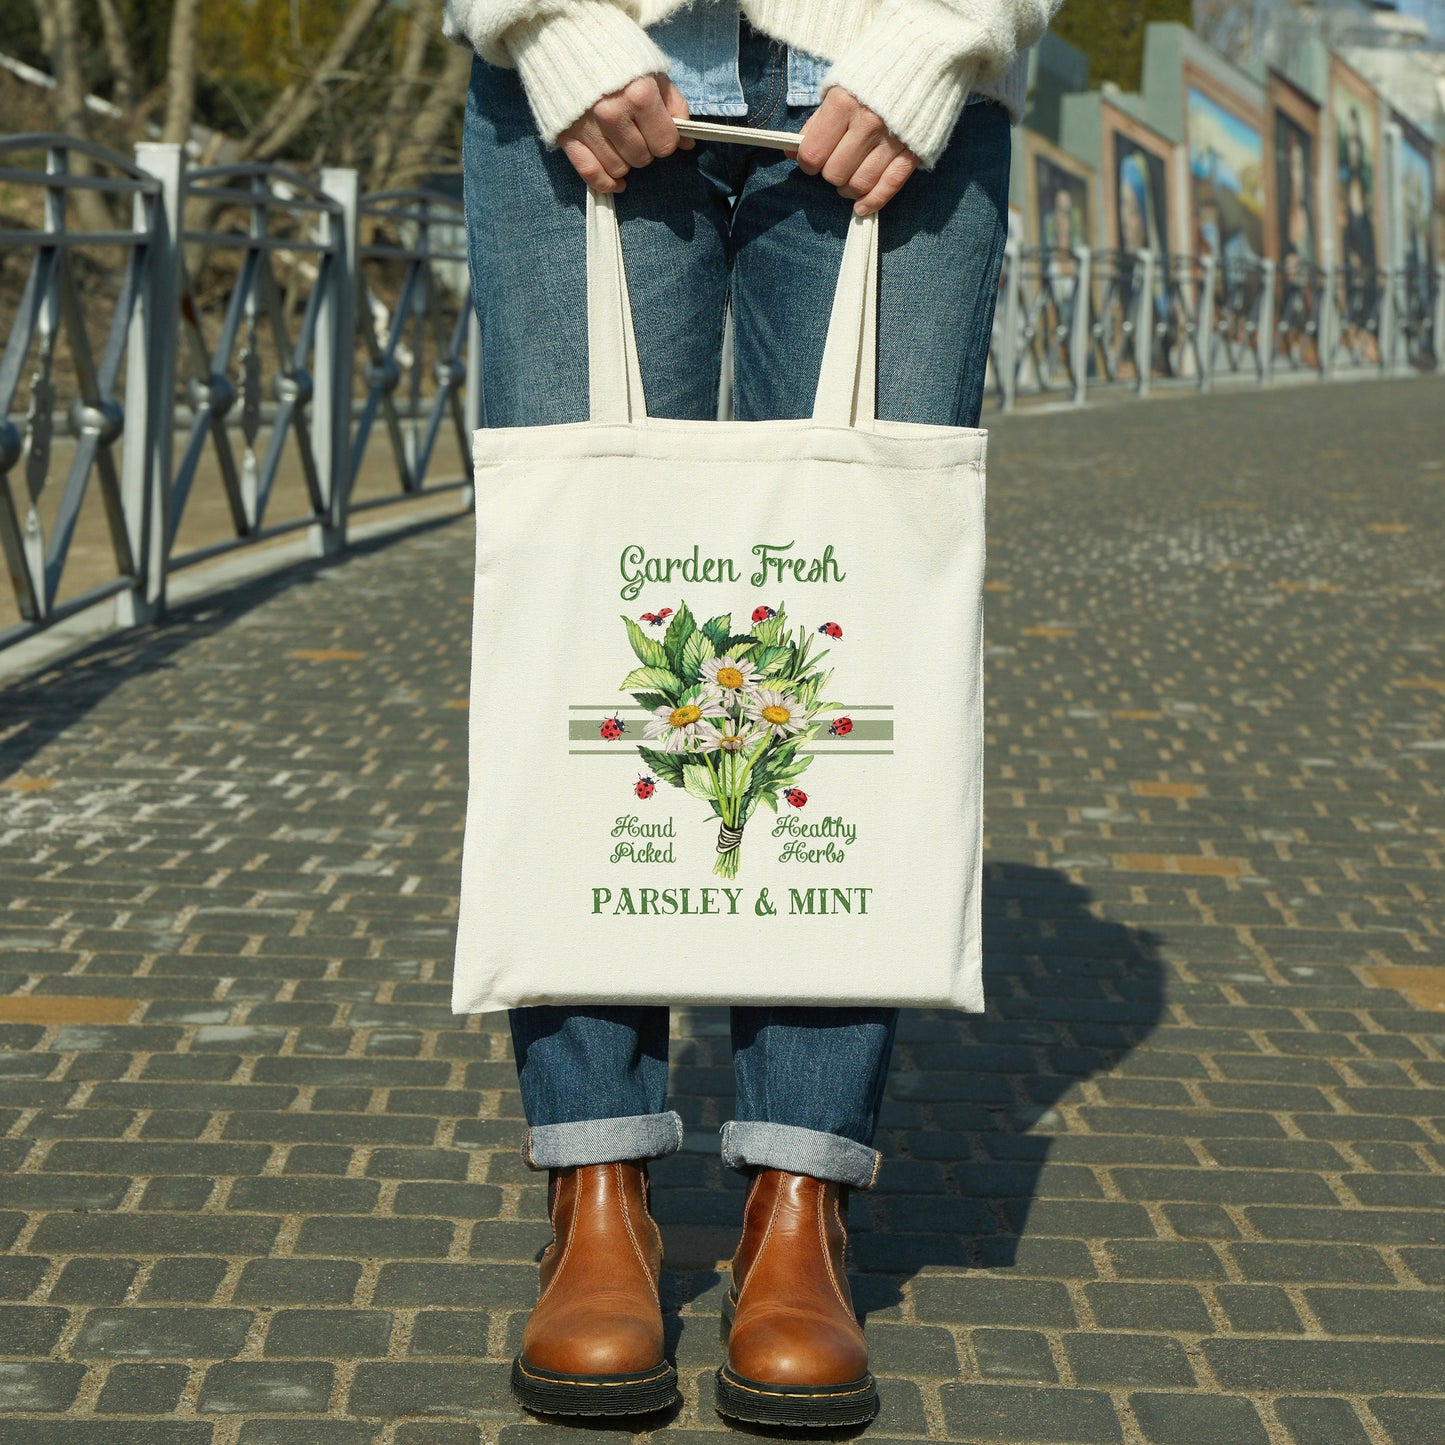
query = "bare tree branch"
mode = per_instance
[
  {"x": 61, "y": 28},
  {"x": 117, "y": 55},
  {"x": 446, "y": 95},
  {"x": 296, "y": 106},
  {"x": 181, "y": 72},
  {"x": 423, "y": 23}
]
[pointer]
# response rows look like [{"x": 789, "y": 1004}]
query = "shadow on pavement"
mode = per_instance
[
  {"x": 38, "y": 706},
  {"x": 1069, "y": 996}
]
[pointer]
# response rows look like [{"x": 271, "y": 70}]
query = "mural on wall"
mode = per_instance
[
  {"x": 1355, "y": 155},
  {"x": 1226, "y": 171},
  {"x": 1136, "y": 209},
  {"x": 1294, "y": 204},
  {"x": 1061, "y": 191},
  {"x": 1417, "y": 188},
  {"x": 1414, "y": 229}
]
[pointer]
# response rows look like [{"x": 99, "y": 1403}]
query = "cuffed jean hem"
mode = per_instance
[
  {"x": 800, "y": 1151},
  {"x": 602, "y": 1141}
]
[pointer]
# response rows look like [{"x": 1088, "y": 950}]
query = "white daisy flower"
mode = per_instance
[
  {"x": 677, "y": 727},
  {"x": 779, "y": 715},
  {"x": 730, "y": 738},
  {"x": 728, "y": 678}
]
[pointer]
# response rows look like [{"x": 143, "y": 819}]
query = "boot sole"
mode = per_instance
[
  {"x": 798, "y": 1406},
  {"x": 642, "y": 1393}
]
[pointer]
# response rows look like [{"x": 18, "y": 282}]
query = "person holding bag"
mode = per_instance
[{"x": 860, "y": 341}]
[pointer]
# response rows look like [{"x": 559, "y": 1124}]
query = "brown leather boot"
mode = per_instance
[
  {"x": 796, "y": 1352},
  {"x": 594, "y": 1343}
]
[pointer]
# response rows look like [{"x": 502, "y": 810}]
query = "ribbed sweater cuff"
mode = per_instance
[
  {"x": 568, "y": 60},
  {"x": 912, "y": 64}
]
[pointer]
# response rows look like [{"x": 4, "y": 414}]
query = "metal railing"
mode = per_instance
[
  {"x": 230, "y": 361},
  {"x": 1070, "y": 321}
]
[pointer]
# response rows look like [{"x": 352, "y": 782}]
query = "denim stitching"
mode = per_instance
[{"x": 780, "y": 80}]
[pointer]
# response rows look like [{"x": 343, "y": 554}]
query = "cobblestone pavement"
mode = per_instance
[{"x": 1184, "y": 1183}]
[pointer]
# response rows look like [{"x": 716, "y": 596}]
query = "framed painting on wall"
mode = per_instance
[
  {"x": 1062, "y": 196},
  {"x": 1414, "y": 243},
  {"x": 1354, "y": 156},
  {"x": 1136, "y": 162},
  {"x": 1295, "y": 239},
  {"x": 1228, "y": 200}
]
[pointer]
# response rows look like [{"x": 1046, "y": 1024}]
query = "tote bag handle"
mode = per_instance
[{"x": 847, "y": 381}]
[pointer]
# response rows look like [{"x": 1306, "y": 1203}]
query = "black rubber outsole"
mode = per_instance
[
  {"x": 548, "y": 1393},
  {"x": 803, "y": 1407},
  {"x": 798, "y": 1406}
]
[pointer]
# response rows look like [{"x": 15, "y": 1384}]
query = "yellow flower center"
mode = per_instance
[
  {"x": 729, "y": 677},
  {"x": 684, "y": 716},
  {"x": 775, "y": 713},
  {"x": 731, "y": 744}
]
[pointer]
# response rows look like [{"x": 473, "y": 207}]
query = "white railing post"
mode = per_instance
[
  {"x": 1081, "y": 322},
  {"x": 1204, "y": 322},
  {"x": 1437, "y": 335},
  {"x": 1387, "y": 317},
  {"x": 1008, "y": 360},
  {"x": 1264, "y": 327},
  {"x": 147, "y": 454},
  {"x": 1144, "y": 322},
  {"x": 335, "y": 355},
  {"x": 1325, "y": 337}
]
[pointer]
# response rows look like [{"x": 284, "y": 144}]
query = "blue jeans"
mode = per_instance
[{"x": 701, "y": 228}]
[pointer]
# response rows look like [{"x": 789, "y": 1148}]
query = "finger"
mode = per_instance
[
  {"x": 600, "y": 142},
  {"x": 675, "y": 103},
  {"x": 889, "y": 184},
  {"x": 823, "y": 130},
  {"x": 628, "y": 142},
  {"x": 870, "y": 171},
  {"x": 585, "y": 163},
  {"x": 864, "y": 133},
  {"x": 655, "y": 123}
]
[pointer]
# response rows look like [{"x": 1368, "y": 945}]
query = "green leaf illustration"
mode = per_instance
[
  {"x": 698, "y": 781},
  {"x": 696, "y": 651},
  {"x": 653, "y": 679},
  {"x": 650, "y": 652},
  {"x": 651, "y": 700},
  {"x": 667, "y": 766},
  {"x": 769, "y": 660},
  {"x": 717, "y": 629},
  {"x": 679, "y": 630},
  {"x": 769, "y": 630}
]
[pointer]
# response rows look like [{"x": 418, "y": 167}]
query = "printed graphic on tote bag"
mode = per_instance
[{"x": 730, "y": 712}]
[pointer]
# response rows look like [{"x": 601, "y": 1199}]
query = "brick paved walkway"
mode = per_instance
[{"x": 1185, "y": 1182}]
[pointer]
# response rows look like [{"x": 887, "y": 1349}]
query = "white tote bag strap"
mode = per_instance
[
  {"x": 614, "y": 377},
  {"x": 847, "y": 381}
]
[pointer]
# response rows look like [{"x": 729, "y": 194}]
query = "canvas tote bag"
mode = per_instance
[{"x": 726, "y": 707}]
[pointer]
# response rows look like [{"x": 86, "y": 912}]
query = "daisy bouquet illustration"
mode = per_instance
[{"x": 731, "y": 712}]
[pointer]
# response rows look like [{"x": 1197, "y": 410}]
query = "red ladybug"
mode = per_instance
[
  {"x": 761, "y": 614},
  {"x": 796, "y": 796},
  {"x": 831, "y": 629},
  {"x": 645, "y": 787},
  {"x": 842, "y": 727},
  {"x": 612, "y": 729},
  {"x": 656, "y": 619}
]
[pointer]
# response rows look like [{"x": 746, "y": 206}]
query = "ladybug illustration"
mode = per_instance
[
  {"x": 656, "y": 619},
  {"x": 831, "y": 629},
  {"x": 761, "y": 614},
  {"x": 645, "y": 786},
  {"x": 796, "y": 797},
  {"x": 842, "y": 727},
  {"x": 612, "y": 729}
]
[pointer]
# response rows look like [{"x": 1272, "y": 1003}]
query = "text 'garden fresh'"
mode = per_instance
[{"x": 772, "y": 566}]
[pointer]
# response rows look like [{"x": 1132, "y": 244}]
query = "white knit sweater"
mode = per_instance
[{"x": 912, "y": 61}]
